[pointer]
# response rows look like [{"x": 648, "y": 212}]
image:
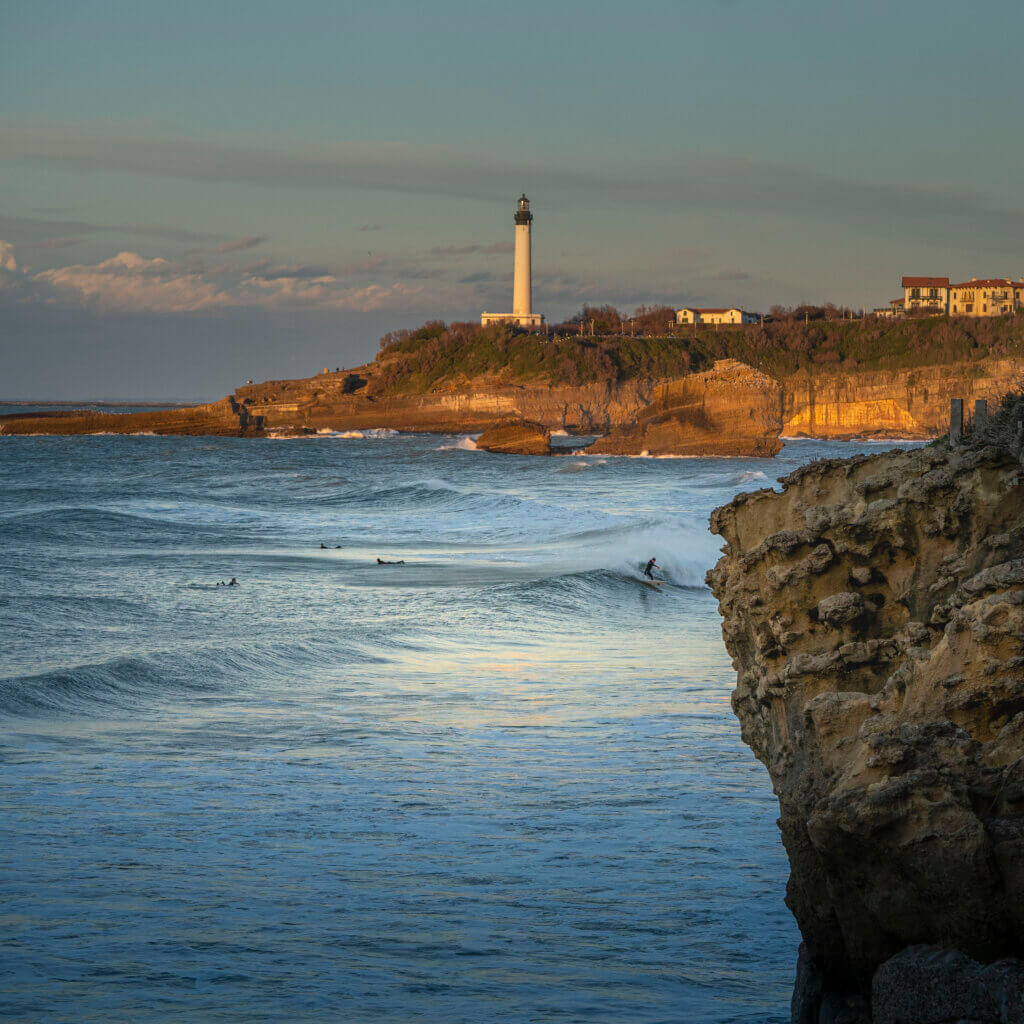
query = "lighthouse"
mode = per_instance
[{"x": 522, "y": 289}]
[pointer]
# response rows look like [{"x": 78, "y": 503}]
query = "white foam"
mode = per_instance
[
  {"x": 370, "y": 434},
  {"x": 465, "y": 444}
]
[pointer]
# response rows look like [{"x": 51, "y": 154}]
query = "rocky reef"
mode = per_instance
[
  {"x": 516, "y": 437},
  {"x": 226, "y": 418},
  {"x": 731, "y": 409},
  {"x": 874, "y": 611}
]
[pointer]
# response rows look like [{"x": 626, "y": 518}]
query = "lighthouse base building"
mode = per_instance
[{"x": 522, "y": 314}]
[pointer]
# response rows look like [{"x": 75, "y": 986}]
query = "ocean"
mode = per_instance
[{"x": 498, "y": 782}]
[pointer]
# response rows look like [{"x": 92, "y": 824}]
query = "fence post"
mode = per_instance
[
  {"x": 980, "y": 414},
  {"x": 956, "y": 420}
]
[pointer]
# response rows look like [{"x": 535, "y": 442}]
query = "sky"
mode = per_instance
[{"x": 198, "y": 193}]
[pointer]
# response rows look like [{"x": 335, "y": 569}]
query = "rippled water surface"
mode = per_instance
[{"x": 500, "y": 782}]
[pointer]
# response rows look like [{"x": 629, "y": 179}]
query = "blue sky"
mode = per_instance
[{"x": 287, "y": 182}]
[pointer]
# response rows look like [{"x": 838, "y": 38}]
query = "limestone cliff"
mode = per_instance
[
  {"x": 874, "y": 611},
  {"x": 731, "y": 409},
  {"x": 904, "y": 403}
]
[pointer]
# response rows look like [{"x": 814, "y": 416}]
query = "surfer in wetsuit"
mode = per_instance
[{"x": 652, "y": 564}]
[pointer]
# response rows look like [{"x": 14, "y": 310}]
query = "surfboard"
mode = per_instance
[{"x": 653, "y": 584}]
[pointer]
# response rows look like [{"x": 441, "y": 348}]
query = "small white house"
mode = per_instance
[{"x": 733, "y": 315}]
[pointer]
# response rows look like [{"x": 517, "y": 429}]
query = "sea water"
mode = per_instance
[{"x": 499, "y": 782}]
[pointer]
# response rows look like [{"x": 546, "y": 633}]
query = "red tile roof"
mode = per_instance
[
  {"x": 723, "y": 309},
  {"x": 925, "y": 282},
  {"x": 989, "y": 282}
]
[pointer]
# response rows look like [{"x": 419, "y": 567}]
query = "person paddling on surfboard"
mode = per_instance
[{"x": 652, "y": 564}]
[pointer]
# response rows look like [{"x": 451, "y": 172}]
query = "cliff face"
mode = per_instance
[
  {"x": 874, "y": 611},
  {"x": 897, "y": 403},
  {"x": 354, "y": 401},
  {"x": 731, "y": 409}
]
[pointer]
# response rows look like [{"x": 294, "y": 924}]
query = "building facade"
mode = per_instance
[
  {"x": 731, "y": 315},
  {"x": 987, "y": 296},
  {"x": 926, "y": 294},
  {"x": 522, "y": 314}
]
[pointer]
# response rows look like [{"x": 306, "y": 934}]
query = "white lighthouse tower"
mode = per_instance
[{"x": 522, "y": 289}]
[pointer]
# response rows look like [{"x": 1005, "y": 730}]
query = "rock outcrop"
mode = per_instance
[
  {"x": 227, "y": 418},
  {"x": 516, "y": 437},
  {"x": 874, "y": 611},
  {"x": 729, "y": 410}
]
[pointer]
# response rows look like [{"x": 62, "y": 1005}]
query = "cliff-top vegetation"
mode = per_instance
[{"x": 439, "y": 354}]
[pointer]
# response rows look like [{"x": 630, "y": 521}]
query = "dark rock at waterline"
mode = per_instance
[
  {"x": 516, "y": 437},
  {"x": 930, "y": 985}
]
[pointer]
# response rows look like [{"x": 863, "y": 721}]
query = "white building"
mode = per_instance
[
  {"x": 732, "y": 315},
  {"x": 522, "y": 286}
]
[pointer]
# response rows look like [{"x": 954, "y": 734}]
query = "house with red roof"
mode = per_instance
[
  {"x": 986, "y": 296},
  {"x": 926, "y": 294}
]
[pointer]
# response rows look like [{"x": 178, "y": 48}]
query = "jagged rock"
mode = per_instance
[
  {"x": 731, "y": 409},
  {"x": 516, "y": 437},
  {"x": 839, "y": 609},
  {"x": 890, "y": 717}
]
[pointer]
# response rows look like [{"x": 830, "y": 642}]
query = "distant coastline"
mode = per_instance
[
  {"x": 85, "y": 403},
  {"x": 730, "y": 391}
]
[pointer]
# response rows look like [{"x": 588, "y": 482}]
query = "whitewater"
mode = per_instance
[{"x": 500, "y": 782}]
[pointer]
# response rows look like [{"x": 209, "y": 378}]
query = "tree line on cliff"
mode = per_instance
[{"x": 600, "y": 345}]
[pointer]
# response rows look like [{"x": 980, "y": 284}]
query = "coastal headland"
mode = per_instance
[
  {"x": 874, "y": 611},
  {"x": 711, "y": 392}
]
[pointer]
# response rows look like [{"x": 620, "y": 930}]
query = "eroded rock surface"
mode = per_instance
[
  {"x": 874, "y": 611},
  {"x": 729, "y": 410},
  {"x": 516, "y": 437}
]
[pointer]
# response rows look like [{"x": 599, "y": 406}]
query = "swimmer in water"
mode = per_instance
[{"x": 380, "y": 561}]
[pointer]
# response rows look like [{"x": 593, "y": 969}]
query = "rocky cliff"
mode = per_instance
[
  {"x": 658, "y": 407},
  {"x": 904, "y": 403},
  {"x": 731, "y": 409},
  {"x": 874, "y": 611}
]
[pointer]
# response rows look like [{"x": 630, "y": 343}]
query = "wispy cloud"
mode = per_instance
[
  {"x": 54, "y": 243},
  {"x": 498, "y": 248},
  {"x": 684, "y": 181},
  {"x": 237, "y": 244}
]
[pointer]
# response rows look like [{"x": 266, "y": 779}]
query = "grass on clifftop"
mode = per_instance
[{"x": 437, "y": 355}]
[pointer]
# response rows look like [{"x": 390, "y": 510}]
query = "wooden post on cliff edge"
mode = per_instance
[{"x": 956, "y": 421}]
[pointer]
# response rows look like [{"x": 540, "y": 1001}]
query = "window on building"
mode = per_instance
[
  {"x": 915, "y": 293},
  {"x": 969, "y": 308}
]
